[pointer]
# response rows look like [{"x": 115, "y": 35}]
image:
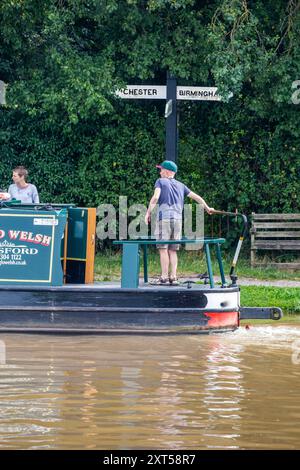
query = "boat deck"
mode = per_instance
[{"x": 115, "y": 285}]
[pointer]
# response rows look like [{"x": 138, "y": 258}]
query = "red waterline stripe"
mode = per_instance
[{"x": 222, "y": 319}]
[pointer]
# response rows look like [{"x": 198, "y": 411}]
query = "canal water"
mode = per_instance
[{"x": 236, "y": 390}]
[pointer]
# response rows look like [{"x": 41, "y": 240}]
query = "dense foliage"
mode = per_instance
[{"x": 64, "y": 59}]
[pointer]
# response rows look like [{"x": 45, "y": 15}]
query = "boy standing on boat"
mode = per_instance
[{"x": 169, "y": 193}]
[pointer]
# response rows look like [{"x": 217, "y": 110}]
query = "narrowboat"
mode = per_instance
[{"x": 46, "y": 281}]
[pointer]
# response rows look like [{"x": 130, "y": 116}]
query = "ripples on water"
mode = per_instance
[{"x": 227, "y": 391}]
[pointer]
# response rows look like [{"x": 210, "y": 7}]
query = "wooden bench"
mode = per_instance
[{"x": 275, "y": 232}]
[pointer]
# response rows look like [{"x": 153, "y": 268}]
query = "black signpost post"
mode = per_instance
[{"x": 171, "y": 119}]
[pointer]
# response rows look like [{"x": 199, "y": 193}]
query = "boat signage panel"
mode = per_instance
[{"x": 30, "y": 246}]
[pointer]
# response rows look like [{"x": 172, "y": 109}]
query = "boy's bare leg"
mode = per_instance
[
  {"x": 164, "y": 262},
  {"x": 173, "y": 263}
]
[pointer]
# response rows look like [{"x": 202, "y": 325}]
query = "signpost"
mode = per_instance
[
  {"x": 159, "y": 92},
  {"x": 172, "y": 93}
]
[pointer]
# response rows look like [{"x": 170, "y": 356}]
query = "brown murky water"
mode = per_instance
[{"x": 229, "y": 391}]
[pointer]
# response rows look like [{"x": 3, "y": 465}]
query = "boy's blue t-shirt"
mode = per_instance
[{"x": 171, "y": 199}]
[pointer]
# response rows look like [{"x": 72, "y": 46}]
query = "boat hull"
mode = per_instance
[{"x": 97, "y": 309}]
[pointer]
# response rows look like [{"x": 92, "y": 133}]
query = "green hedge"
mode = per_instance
[{"x": 64, "y": 60}]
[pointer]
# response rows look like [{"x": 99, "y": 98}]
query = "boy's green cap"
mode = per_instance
[{"x": 168, "y": 165}]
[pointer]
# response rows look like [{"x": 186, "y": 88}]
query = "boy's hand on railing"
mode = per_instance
[{"x": 210, "y": 210}]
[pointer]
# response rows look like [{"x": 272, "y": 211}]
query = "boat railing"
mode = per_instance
[
  {"x": 243, "y": 217},
  {"x": 131, "y": 257},
  {"x": 131, "y": 260}
]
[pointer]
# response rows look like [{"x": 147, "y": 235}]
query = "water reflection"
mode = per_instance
[
  {"x": 224, "y": 393},
  {"x": 238, "y": 390}
]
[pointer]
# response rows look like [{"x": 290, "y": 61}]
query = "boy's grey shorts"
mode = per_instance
[{"x": 168, "y": 230}]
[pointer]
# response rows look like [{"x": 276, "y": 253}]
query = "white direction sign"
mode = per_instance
[
  {"x": 159, "y": 92},
  {"x": 143, "y": 92},
  {"x": 202, "y": 93}
]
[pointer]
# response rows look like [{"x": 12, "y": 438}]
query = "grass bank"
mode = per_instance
[{"x": 287, "y": 298}]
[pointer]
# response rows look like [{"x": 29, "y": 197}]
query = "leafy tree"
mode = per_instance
[{"x": 64, "y": 59}]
